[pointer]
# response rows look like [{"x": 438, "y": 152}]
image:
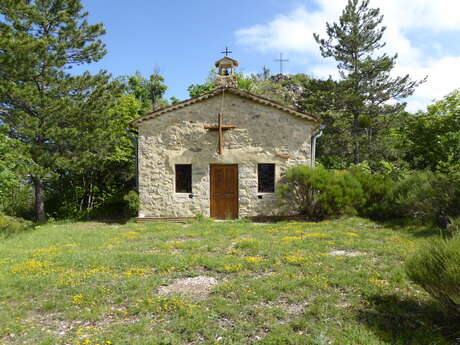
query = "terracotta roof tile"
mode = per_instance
[{"x": 218, "y": 91}]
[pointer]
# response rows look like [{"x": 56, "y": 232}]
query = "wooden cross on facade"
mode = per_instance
[{"x": 221, "y": 128}]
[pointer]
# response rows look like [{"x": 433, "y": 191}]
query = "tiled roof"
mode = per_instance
[{"x": 218, "y": 91}]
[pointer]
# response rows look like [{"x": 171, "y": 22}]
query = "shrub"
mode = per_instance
[
  {"x": 132, "y": 203},
  {"x": 377, "y": 188},
  {"x": 12, "y": 225},
  {"x": 426, "y": 196},
  {"x": 319, "y": 193},
  {"x": 435, "y": 268}
]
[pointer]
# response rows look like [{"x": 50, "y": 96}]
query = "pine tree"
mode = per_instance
[
  {"x": 58, "y": 116},
  {"x": 354, "y": 42}
]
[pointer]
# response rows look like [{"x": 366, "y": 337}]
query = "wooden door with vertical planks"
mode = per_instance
[{"x": 224, "y": 191}]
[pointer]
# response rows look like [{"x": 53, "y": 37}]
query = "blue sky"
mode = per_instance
[{"x": 183, "y": 38}]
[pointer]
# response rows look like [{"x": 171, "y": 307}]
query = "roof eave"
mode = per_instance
[{"x": 134, "y": 123}]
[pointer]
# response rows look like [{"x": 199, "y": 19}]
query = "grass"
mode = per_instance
[{"x": 339, "y": 282}]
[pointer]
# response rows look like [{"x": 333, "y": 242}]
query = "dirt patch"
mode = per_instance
[
  {"x": 262, "y": 275},
  {"x": 288, "y": 307},
  {"x": 184, "y": 239},
  {"x": 56, "y": 324},
  {"x": 197, "y": 287},
  {"x": 345, "y": 253}
]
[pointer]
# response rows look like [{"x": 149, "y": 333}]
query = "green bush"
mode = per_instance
[
  {"x": 132, "y": 203},
  {"x": 436, "y": 268},
  {"x": 426, "y": 196},
  {"x": 12, "y": 225},
  {"x": 377, "y": 188},
  {"x": 319, "y": 193}
]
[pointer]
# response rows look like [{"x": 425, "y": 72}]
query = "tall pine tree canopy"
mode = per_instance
[
  {"x": 60, "y": 117},
  {"x": 354, "y": 42}
]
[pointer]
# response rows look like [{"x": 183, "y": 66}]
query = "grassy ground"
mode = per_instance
[{"x": 338, "y": 282}]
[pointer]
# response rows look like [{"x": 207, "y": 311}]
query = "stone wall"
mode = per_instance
[{"x": 179, "y": 137}]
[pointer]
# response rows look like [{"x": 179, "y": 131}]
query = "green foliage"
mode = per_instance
[
  {"x": 367, "y": 85},
  {"x": 157, "y": 90},
  {"x": 431, "y": 140},
  {"x": 13, "y": 225},
  {"x": 132, "y": 202},
  {"x": 15, "y": 193},
  {"x": 149, "y": 91},
  {"x": 435, "y": 267},
  {"x": 377, "y": 189},
  {"x": 453, "y": 227},
  {"x": 319, "y": 193},
  {"x": 174, "y": 100},
  {"x": 196, "y": 90},
  {"x": 59, "y": 117},
  {"x": 426, "y": 196},
  {"x": 8, "y": 158},
  {"x": 260, "y": 84},
  {"x": 100, "y": 183}
]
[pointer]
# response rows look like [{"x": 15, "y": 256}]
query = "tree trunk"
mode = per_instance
[
  {"x": 39, "y": 201},
  {"x": 355, "y": 136}
]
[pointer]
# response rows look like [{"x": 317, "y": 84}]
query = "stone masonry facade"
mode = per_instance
[{"x": 264, "y": 134}]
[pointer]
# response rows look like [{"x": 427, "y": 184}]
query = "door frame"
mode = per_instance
[{"x": 237, "y": 186}]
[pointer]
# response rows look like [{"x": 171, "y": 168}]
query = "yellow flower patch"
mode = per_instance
[
  {"x": 33, "y": 267},
  {"x": 378, "y": 282},
  {"x": 288, "y": 239},
  {"x": 318, "y": 281},
  {"x": 351, "y": 234},
  {"x": 253, "y": 259},
  {"x": 233, "y": 268},
  {"x": 294, "y": 260},
  {"x": 78, "y": 299},
  {"x": 166, "y": 305},
  {"x": 316, "y": 235},
  {"x": 247, "y": 243},
  {"x": 136, "y": 272},
  {"x": 95, "y": 341},
  {"x": 175, "y": 244}
]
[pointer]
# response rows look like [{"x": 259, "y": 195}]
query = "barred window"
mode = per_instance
[
  {"x": 183, "y": 178},
  {"x": 266, "y": 178}
]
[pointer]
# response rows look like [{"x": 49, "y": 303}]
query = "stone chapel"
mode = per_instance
[{"x": 220, "y": 154}]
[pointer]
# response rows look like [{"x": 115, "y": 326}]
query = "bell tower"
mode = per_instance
[{"x": 226, "y": 76}]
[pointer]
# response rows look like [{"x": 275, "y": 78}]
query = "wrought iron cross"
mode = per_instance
[
  {"x": 226, "y": 52},
  {"x": 221, "y": 128},
  {"x": 281, "y": 60}
]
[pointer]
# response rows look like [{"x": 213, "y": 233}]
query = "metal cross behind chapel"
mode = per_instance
[
  {"x": 226, "y": 52},
  {"x": 221, "y": 128},
  {"x": 281, "y": 60}
]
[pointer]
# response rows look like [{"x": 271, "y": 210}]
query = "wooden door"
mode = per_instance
[{"x": 224, "y": 191}]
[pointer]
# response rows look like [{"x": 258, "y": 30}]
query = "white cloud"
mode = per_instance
[
  {"x": 443, "y": 77},
  {"x": 293, "y": 33}
]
